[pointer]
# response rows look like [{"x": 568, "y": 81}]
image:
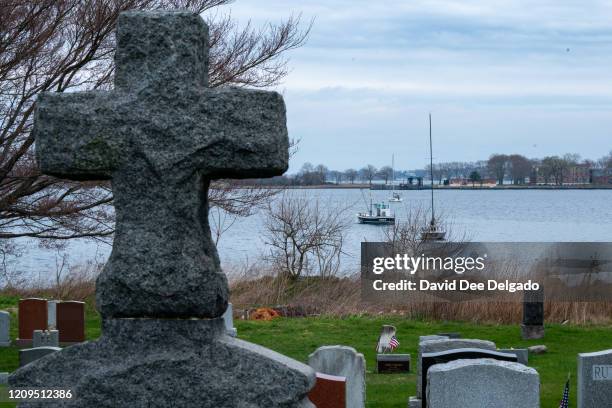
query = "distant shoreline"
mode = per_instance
[{"x": 426, "y": 187}]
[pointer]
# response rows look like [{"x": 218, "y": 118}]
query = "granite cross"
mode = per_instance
[{"x": 160, "y": 136}]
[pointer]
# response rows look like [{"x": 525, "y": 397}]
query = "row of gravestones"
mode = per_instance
[{"x": 452, "y": 372}]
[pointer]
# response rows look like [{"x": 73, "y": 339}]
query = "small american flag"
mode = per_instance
[
  {"x": 565, "y": 399},
  {"x": 394, "y": 343}
]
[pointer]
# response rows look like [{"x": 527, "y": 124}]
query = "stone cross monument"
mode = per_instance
[{"x": 160, "y": 137}]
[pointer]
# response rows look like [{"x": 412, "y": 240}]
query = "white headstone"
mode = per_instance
[
  {"x": 5, "y": 329},
  {"x": 434, "y": 346},
  {"x": 45, "y": 338},
  {"x": 228, "y": 317},
  {"x": 595, "y": 379},
  {"x": 51, "y": 314},
  {"x": 346, "y": 362},
  {"x": 482, "y": 383}
]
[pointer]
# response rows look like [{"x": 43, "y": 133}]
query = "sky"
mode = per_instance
[{"x": 529, "y": 77}]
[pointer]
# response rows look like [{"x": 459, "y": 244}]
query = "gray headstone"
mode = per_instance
[
  {"x": 45, "y": 338},
  {"x": 595, "y": 379},
  {"x": 434, "y": 346},
  {"x": 161, "y": 136},
  {"x": 346, "y": 362},
  {"x": 3, "y": 378},
  {"x": 228, "y": 318},
  {"x": 5, "y": 329},
  {"x": 482, "y": 383},
  {"x": 432, "y": 337},
  {"x": 52, "y": 314},
  {"x": 521, "y": 354},
  {"x": 26, "y": 356}
]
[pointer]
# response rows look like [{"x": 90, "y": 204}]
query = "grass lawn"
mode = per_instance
[{"x": 298, "y": 338}]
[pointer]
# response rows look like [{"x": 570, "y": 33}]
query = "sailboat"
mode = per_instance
[
  {"x": 433, "y": 232},
  {"x": 395, "y": 197}
]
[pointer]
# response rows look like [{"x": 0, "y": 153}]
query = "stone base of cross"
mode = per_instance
[{"x": 160, "y": 136}]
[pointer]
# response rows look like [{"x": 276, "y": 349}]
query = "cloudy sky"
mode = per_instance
[{"x": 531, "y": 77}]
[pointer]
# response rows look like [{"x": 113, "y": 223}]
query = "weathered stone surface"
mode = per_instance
[
  {"x": 482, "y": 383},
  {"x": 27, "y": 356},
  {"x": 161, "y": 136},
  {"x": 345, "y": 362},
  {"x": 45, "y": 338},
  {"x": 595, "y": 379},
  {"x": 5, "y": 329},
  {"x": 433, "y": 346},
  {"x": 170, "y": 362}
]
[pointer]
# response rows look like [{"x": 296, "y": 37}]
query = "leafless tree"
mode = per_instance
[
  {"x": 519, "y": 168},
  {"x": 305, "y": 237},
  {"x": 386, "y": 173},
  {"x": 368, "y": 173},
  {"x": 498, "y": 164},
  {"x": 350, "y": 175},
  {"x": 68, "y": 45}
]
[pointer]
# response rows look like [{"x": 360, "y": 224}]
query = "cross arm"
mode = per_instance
[
  {"x": 231, "y": 133},
  {"x": 76, "y": 134}
]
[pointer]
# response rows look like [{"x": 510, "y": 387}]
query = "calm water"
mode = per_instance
[{"x": 497, "y": 215}]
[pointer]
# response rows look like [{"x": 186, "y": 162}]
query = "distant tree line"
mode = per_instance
[{"x": 499, "y": 168}]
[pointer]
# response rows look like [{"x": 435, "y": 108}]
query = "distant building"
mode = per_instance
[
  {"x": 600, "y": 176},
  {"x": 578, "y": 174}
]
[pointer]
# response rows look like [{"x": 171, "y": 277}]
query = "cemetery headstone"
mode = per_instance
[
  {"x": 70, "y": 321},
  {"x": 482, "y": 383},
  {"x": 228, "y": 318},
  {"x": 431, "y": 359},
  {"x": 161, "y": 136},
  {"x": 3, "y": 378},
  {"x": 5, "y": 328},
  {"x": 32, "y": 315},
  {"x": 27, "y": 356},
  {"x": 392, "y": 363},
  {"x": 345, "y": 362},
  {"x": 51, "y": 314},
  {"x": 595, "y": 379},
  {"x": 432, "y": 337},
  {"x": 451, "y": 335},
  {"x": 434, "y": 346},
  {"x": 522, "y": 354},
  {"x": 533, "y": 315},
  {"x": 329, "y": 392},
  {"x": 386, "y": 333},
  {"x": 45, "y": 338}
]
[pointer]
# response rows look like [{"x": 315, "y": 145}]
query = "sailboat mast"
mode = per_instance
[
  {"x": 433, "y": 218},
  {"x": 392, "y": 173}
]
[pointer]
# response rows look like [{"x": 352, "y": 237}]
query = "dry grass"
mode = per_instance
[{"x": 341, "y": 297}]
